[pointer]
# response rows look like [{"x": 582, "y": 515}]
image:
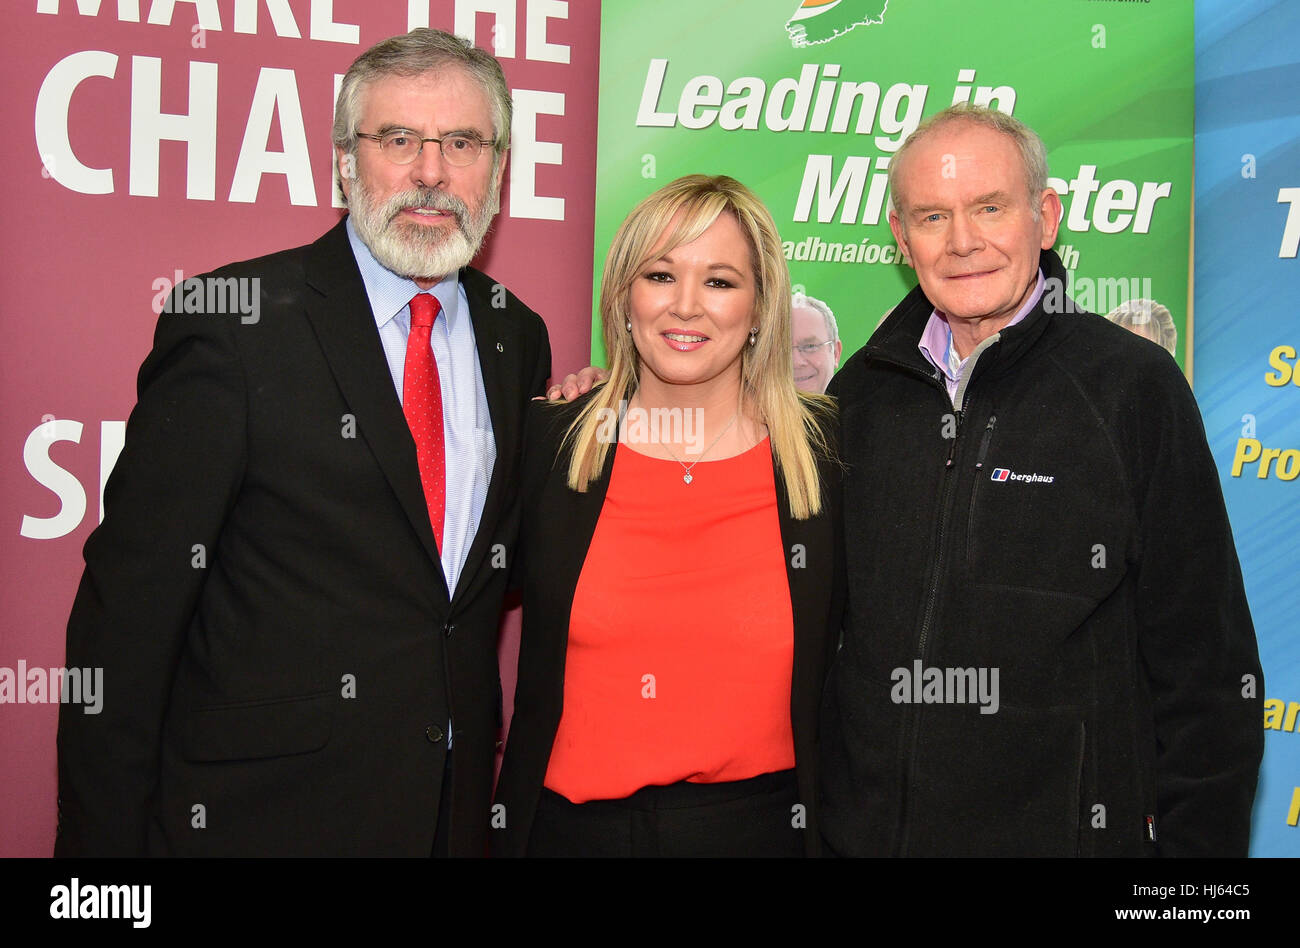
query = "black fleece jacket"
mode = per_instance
[{"x": 1048, "y": 649}]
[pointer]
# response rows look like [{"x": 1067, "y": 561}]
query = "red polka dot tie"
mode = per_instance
[{"x": 422, "y": 405}]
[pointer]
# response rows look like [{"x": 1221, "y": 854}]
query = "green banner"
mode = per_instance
[{"x": 806, "y": 103}]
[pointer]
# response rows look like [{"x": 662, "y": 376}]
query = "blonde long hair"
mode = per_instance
[{"x": 767, "y": 371}]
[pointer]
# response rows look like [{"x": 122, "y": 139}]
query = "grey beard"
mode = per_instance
[{"x": 417, "y": 252}]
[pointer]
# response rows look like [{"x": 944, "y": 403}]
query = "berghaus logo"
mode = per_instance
[{"x": 1001, "y": 474}]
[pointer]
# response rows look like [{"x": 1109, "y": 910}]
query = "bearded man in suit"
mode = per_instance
[{"x": 296, "y": 589}]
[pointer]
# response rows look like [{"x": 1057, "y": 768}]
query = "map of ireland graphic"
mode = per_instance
[{"x": 820, "y": 21}]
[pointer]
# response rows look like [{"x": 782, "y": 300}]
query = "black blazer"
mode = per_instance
[
  {"x": 281, "y": 653},
  {"x": 555, "y": 534}
]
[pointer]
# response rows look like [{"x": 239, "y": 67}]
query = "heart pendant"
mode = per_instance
[{"x": 687, "y": 477}]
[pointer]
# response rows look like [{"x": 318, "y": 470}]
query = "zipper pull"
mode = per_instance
[
  {"x": 984, "y": 442},
  {"x": 952, "y": 447}
]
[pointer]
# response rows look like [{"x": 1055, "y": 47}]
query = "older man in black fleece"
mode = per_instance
[{"x": 1048, "y": 650}]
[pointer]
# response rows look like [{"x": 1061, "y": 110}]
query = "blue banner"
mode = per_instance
[{"x": 1247, "y": 346}]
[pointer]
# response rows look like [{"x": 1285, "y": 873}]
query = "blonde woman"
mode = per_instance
[{"x": 679, "y": 559}]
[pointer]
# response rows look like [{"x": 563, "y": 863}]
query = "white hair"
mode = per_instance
[
  {"x": 1147, "y": 318},
  {"x": 811, "y": 302}
]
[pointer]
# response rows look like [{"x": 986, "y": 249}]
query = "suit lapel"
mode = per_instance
[
  {"x": 345, "y": 328},
  {"x": 802, "y": 540},
  {"x": 499, "y": 363},
  {"x": 581, "y": 527}
]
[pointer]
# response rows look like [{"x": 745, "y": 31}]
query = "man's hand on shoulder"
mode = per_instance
[{"x": 575, "y": 385}]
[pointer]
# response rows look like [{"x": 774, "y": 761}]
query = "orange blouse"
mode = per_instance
[{"x": 681, "y": 637}]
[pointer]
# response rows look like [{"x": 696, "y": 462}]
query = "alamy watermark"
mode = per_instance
[
  {"x": 211, "y": 296},
  {"x": 1093, "y": 294},
  {"x": 684, "y": 426},
  {"x": 78, "y": 900},
  {"x": 921, "y": 685},
  {"x": 23, "y": 685}
]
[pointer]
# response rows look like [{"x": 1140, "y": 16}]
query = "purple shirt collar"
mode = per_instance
[{"x": 936, "y": 340}]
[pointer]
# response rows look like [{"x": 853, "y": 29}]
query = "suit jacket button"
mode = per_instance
[
  {"x": 448, "y": 629},
  {"x": 433, "y": 733}
]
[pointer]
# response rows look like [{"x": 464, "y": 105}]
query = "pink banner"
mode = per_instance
[{"x": 151, "y": 140}]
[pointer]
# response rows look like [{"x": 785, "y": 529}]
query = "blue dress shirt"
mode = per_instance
[{"x": 470, "y": 447}]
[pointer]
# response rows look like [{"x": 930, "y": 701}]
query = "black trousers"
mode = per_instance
[{"x": 754, "y": 817}]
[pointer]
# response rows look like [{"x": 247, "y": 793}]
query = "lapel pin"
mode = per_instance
[{"x": 500, "y": 348}]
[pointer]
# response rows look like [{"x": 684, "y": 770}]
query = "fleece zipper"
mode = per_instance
[{"x": 913, "y": 720}]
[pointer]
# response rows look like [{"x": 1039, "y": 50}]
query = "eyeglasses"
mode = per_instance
[
  {"x": 809, "y": 348},
  {"x": 403, "y": 147}
]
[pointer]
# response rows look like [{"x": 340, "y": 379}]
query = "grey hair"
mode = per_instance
[
  {"x": 1033, "y": 153},
  {"x": 1150, "y": 319},
  {"x": 414, "y": 54},
  {"x": 811, "y": 302}
]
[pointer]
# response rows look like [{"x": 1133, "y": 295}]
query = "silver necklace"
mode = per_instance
[{"x": 686, "y": 468}]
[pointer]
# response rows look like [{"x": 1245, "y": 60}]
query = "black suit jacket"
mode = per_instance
[
  {"x": 555, "y": 534},
  {"x": 281, "y": 653}
]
